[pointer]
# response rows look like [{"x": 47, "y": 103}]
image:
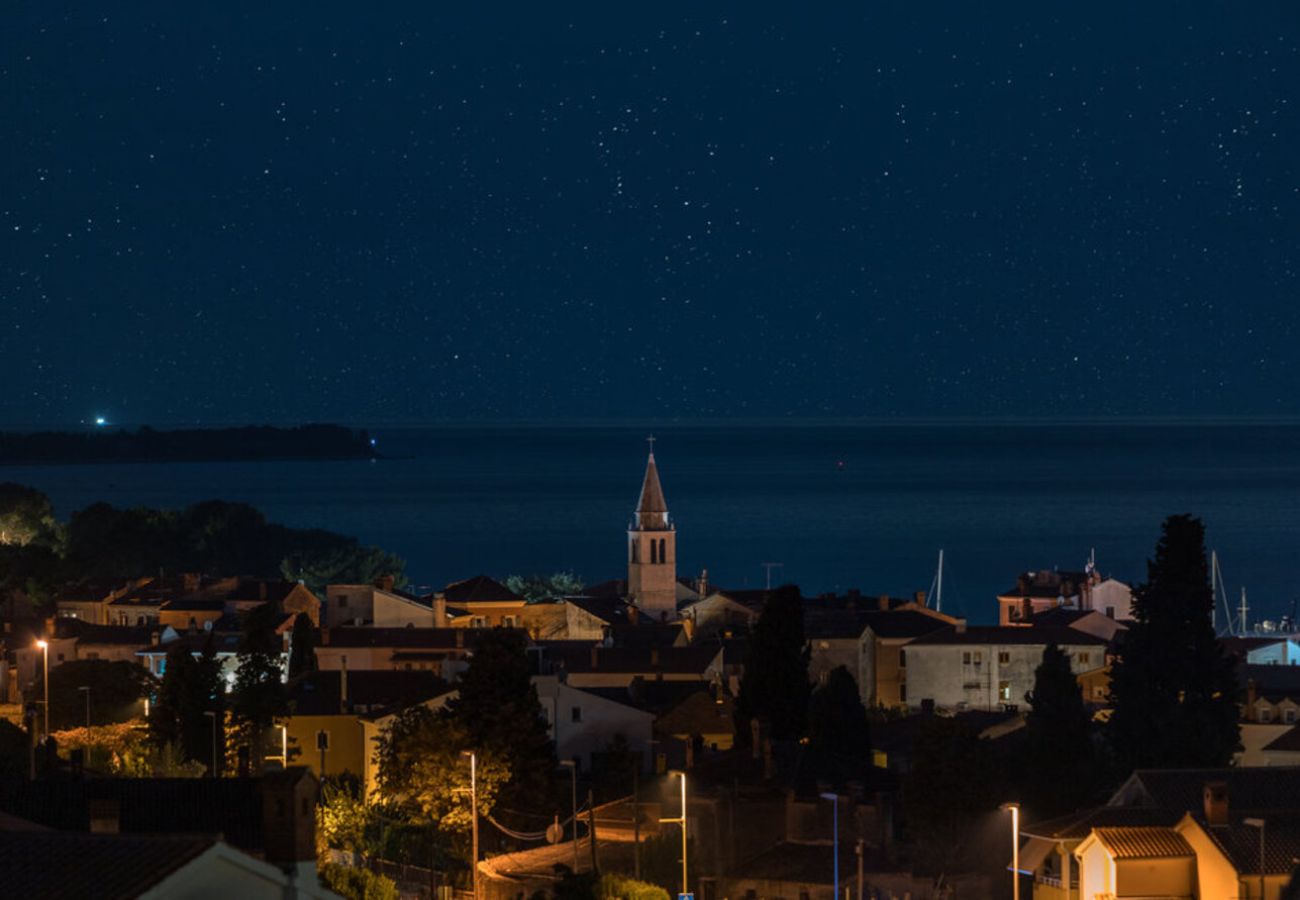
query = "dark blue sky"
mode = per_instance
[{"x": 379, "y": 213}]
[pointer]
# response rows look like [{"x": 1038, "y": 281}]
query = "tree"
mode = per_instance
[
  {"x": 498, "y": 710},
  {"x": 26, "y": 516},
  {"x": 953, "y": 783},
  {"x": 837, "y": 720},
  {"x": 175, "y": 695},
  {"x": 775, "y": 684},
  {"x": 320, "y": 558},
  {"x": 1173, "y": 689},
  {"x": 191, "y": 687},
  {"x": 259, "y": 697},
  {"x": 302, "y": 644},
  {"x": 542, "y": 587},
  {"x": 1059, "y": 774},
  {"x": 358, "y": 884}
]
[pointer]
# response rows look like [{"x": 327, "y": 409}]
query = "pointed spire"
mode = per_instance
[{"x": 651, "y": 507}]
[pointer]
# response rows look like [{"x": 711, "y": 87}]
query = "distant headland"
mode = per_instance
[{"x": 253, "y": 442}]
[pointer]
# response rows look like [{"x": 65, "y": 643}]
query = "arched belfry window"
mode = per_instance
[
  {"x": 663, "y": 557},
  {"x": 634, "y": 551},
  {"x": 654, "y": 552}
]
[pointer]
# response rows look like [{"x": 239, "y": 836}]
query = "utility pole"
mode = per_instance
[
  {"x": 682, "y": 821},
  {"x": 572, "y": 766},
  {"x": 591, "y": 827},
  {"x": 86, "y": 688}
]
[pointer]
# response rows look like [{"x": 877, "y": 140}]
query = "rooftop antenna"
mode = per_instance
[
  {"x": 769, "y": 566},
  {"x": 1244, "y": 609}
]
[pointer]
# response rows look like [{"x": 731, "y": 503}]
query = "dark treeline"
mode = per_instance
[{"x": 190, "y": 444}]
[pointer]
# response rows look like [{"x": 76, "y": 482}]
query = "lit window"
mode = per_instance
[
  {"x": 979, "y": 657},
  {"x": 1004, "y": 691}
]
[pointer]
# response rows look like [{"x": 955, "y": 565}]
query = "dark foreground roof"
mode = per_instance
[
  {"x": 1254, "y": 790},
  {"x": 51, "y": 864},
  {"x": 479, "y": 589}
]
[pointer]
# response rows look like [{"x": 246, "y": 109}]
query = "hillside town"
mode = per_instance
[{"x": 505, "y": 738}]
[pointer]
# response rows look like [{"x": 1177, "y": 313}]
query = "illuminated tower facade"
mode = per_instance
[{"x": 652, "y": 550}]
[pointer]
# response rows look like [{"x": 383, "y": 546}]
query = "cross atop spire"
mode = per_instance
[{"x": 651, "y": 441}]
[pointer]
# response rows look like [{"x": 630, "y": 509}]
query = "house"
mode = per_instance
[
  {"x": 1272, "y": 693},
  {"x": 1173, "y": 833},
  {"x": 989, "y": 667},
  {"x": 270, "y": 820},
  {"x": 684, "y": 711},
  {"x": 595, "y": 665},
  {"x": 1282, "y": 650},
  {"x": 442, "y": 651},
  {"x": 380, "y": 604},
  {"x": 1038, "y": 591},
  {"x": 583, "y": 723},
  {"x": 1089, "y": 621},
  {"x": 882, "y": 666},
  {"x": 88, "y": 600},
  {"x": 723, "y": 611}
]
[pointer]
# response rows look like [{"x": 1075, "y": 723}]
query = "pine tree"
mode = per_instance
[
  {"x": 1059, "y": 772},
  {"x": 775, "y": 684},
  {"x": 1173, "y": 689},
  {"x": 259, "y": 697},
  {"x": 837, "y": 720}
]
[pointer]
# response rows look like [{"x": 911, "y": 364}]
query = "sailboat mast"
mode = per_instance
[
  {"x": 938, "y": 580},
  {"x": 1244, "y": 610}
]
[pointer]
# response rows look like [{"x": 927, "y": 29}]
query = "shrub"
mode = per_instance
[{"x": 357, "y": 884}]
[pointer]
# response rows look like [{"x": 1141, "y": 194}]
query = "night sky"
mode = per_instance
[{"x": 383, "y": 213}]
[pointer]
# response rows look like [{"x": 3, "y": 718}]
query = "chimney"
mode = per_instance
[
  {"x": 288, "y": 817},
  {"x": 632, "y": 613},
  {"x": 385, "y": 583},
  {"x": 1216, "y": 802},
  {"x": 439, "y": 611},
  {"x": 343, "y": 687},
  {"x": 960, "y": 626},
  {"x": 1028, "y": 609},
  {"x": 702, "y": 587},
  {"x": 324, "y": 635},
  {"x": 595, "y": 656},
  {"x": 919, "y": 597},
  {"x": 882, "y": 602},
  {"x": 1252, "y": 694},
  {"x": 155, "y": 637},
  {"x": 105, "y": 815}
]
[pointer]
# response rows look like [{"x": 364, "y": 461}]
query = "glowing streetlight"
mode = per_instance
[
  {"x": 1015, "y": 848},
  {"x": 45, "y": 653},
  {"x": 681, "y": 821},
  {"x": 473, "y": 811},
  {"x": 835, "y": 838},
  {"x": 572, "y": 766}
]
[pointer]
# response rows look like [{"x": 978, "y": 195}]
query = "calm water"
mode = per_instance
[{"x": 998, "y": 499}]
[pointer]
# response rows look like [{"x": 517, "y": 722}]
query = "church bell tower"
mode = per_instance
[{"x": 652, "y": 550}]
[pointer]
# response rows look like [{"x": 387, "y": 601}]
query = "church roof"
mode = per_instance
[{"x": 651, "y": 507}]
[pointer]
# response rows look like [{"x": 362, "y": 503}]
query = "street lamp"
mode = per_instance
[
  {"x": 211, "y": 714},
  {"x": 1015, "y": 848},
  {"x": 681, "y": 821},
  {"x": 86, "y": 688},
  {"x": 473, "y": 812},
  {"x": 572, "y": 766},
  {"x": 1258, "y": 823},
  {"x": 835, "y": 839},
  {"x": 45, "y": 653}
]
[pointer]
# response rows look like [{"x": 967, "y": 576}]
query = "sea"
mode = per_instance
[{"x": 829, "y": 506}]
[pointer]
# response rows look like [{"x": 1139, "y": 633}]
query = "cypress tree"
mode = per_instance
[
  {"x": 259, "y": 697},
  {"x": 1059, "y": 774},
  {"x": 837, "y": 720},
  {"x": 302, "y": 646},
  {"x": 775, "y": 686},
  {"x": 1173, "y": 689}
]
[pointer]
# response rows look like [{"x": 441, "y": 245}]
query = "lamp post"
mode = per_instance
[
  {"x": 473, "y": 813},
  {"x": 572, "y": 766},
  {"x": 211, "y": 714},
  {"x": 681, "y": 821},
  {"x": 1258, "y": 823},
  {"x": 835, "y": 838},
  {"x": 86, "y": 688},
  {"x": 1015, "y": 848},
  {"x": 45, "y": 653}
]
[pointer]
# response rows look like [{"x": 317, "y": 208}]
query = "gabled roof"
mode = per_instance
[
  {"x": 86, "y": 633},
  {"x": 480, "y": 589},
  {"x": 321, "y": 693},
  {"x": 1250, "y": 790},
  {"x": 103, "y": 866},
  {"x": 1240, "y": 843},
  {"x": 1143, "y": 843},
  {"x": 997, "y": 635},
  {"x": 1078, "y": 825}
]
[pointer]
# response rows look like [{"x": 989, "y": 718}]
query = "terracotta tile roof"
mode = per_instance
[
  {"x": 1143, "y": 843},
  {"x": 102, "y": 866},
  {"x": 1240, "y": 843},
  {"x": 1252, "y": 790},
  {"x": 1077, "y": 825}
]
